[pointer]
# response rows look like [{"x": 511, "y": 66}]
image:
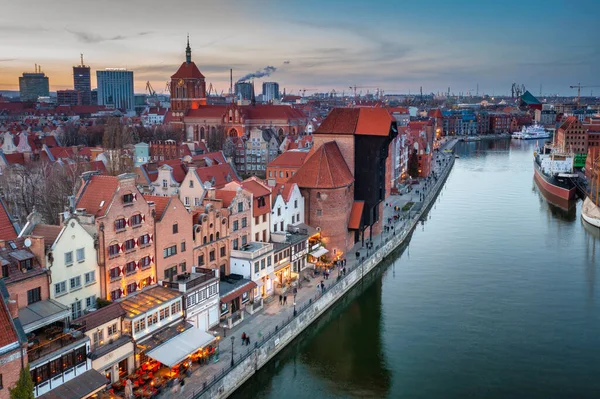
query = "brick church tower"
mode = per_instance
[{"x": 188, "y": 87}]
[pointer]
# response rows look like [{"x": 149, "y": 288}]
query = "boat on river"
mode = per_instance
[
  {"x": 590, "y": 211},
  {"x": 533, "y": 132},
  {"x": 553, "y": 171}
]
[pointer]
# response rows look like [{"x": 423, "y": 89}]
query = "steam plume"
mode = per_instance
[{"x": 266, "y": 71}]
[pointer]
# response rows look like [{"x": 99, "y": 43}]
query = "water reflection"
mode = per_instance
[
  {"x": 349, "y": 350},
  {"x": 559, "y": 208}
]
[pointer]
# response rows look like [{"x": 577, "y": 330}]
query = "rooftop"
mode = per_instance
[
  {"x": 146, "y": 300},
  {"x": 325, "y": 168},
  {"x": 100, "y": 316}
]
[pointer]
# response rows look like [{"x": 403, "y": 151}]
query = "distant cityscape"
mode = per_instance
[{"x": 139, "y": 233}]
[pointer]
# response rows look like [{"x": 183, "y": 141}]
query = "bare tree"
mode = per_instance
[
  {"x": 22, "y": 187},
  {"x": 216, "y": 140},
  {"x": 116, "y": 135}
]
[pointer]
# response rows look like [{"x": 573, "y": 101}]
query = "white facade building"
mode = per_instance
[
  {"x": 254, "y": 261},
  {"x": 165, "y": 184},
  {"x": 288, "y": 208}
]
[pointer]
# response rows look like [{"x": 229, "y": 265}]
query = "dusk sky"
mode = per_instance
[{"x": 395, "y": 45}]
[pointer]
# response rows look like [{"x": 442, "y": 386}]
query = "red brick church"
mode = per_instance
[{"x": 189, "y": 109}]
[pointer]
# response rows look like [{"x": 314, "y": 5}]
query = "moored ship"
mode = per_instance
[
  {"x": 590, "y": 211},
  {"x": 533, "y": 132},
  {"x": 554, "y": 172}
]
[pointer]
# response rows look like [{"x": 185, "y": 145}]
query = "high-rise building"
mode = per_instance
[
  {"x": 34, "y": 85},
  {"x": 244, "y": 91},
  {"x": 115, "y": 88},
  {"x": 82, "y": 82},
  {"x": 270, "y": 91},
  {"x": 68, "y": 97}
]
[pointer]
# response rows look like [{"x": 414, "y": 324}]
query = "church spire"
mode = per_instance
[{"x": 188, "y": 51}]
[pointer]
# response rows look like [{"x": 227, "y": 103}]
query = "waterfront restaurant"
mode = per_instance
[{"x": 155, "y": 319}]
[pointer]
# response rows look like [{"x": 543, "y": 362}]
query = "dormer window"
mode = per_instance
[
  {"x": 26, "y": 264},
  {"x": 191, "y": 184},
  {"x": 5, "y": 271},
  {"x": 128, "y": 198},
  {"x": 12, "y": 244}
]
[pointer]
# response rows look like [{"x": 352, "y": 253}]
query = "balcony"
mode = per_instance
[
  {"x": 47, "y": 341},
  {"x": 252, "y": 250},
  {"x": 187, "y": 281}
]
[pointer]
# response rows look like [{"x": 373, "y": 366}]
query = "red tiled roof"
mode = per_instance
[
  {"x": 435, "y": 113},
  {"x": 15, "y": 158},
  {"x": 96, "y": 195},
  {"x": 48, "y": 231},
  {"x": 226, "y": 196},
  {"x": 7, "y": 229},
  {"x": 160, "y": 204},
  {"x": 207, "y": 111},
  {"x": 50, "y": 141},
  {"x": 568, "y": 122},
  {"x": 222, "y": 174},
  {"x": 356, "y": 215},
  {"x": 258, "y": 190},
  {"x": 361, "y": 121},
  {"x": 263, "y": 111},
  {"x": 285, "y": 190},
  {"x": 593, "y": 127},
  {"x": 188, "y": 71},
  {"x": 61, "y": 152},
  {"x": 399, "y": 110},
  {"x": 291, "y": 159},
  {"x": 325, "y": 168},
  {"x": 215, "y": 157},
  {"x": 8, "y": 334}
]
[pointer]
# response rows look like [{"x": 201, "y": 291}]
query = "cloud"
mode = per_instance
[
  {"x": 90, "y": 38},
  {"x": 7, "y": 59}
]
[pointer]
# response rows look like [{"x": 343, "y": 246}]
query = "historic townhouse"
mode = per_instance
[
  {"x": 173, "y": 232},
  {"x": 70, "y": 256},
  {"x": 211, "y": 237},
  {"x": 287, "y": 209},
  {"x": 125, "y": 225}
]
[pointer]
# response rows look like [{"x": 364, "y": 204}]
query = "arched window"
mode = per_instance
[
  {"x": 204, "y": 240},
  {"x": 217, "y": 235},
  {"x": 211, "y": 238}
]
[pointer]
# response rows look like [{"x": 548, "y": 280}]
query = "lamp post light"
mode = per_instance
[
  {"x": 232, "y": 339},
  {"x": 294, "y": 305}
]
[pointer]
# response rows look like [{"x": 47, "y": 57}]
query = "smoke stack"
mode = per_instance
[
  {"x": 35, "y": 68},
  {"x": 230, "y": 80}
]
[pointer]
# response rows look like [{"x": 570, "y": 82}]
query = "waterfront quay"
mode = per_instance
[{"x": 238, "y": 362}]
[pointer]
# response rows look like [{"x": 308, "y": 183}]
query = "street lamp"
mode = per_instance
[
  {"x": 294, "y": 305},
  {"x": 232, "y": 339}
]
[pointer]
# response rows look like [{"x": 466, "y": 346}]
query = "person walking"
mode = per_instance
[
  {"x": 280, "y": 299},
  {"x": 285, "y": 299},
  {"x": 247, "y": 340},
  {"x": 182, "y": 385},
  {"x": 244, "y": 337}
]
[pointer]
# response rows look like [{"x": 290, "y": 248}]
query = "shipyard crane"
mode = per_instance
[
  {"x": 304, "y": 91},
  {"x": 150, "y": 89},
  {"x": 353, "y": 88},
  {"x": 167, "y": 88},
  {"x": 579, "y": 86}
]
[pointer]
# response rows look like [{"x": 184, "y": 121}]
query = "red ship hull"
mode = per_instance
[{"x": 560, "y": 192}]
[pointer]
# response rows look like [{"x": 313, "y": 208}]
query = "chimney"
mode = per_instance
[
  {"x": 37, "y": 248},
  {"x": 13, "y": 308}
]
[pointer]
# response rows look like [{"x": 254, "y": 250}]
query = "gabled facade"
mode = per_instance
[
  {"x": 211, "y": 237},
  {"x": 165, "y": 183},
  {"x": 288, "y": 208},
  {"x": 71, "y": 261},
  {"x": 173, "y": 242},
  {"x": 192, "y": 191},
  {"x": 125, "y": 226}
]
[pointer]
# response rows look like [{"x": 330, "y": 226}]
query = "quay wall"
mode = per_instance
[{"x": 244, "y": 367}]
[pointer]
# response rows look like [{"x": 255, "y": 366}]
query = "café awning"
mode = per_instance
[
  {"x": 175, "y": 350},
  {"x": 319, "y": 252}
]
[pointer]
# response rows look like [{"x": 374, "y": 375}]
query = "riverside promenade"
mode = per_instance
[{"x": 274, "y": 327}]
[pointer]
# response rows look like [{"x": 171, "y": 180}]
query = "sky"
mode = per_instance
[{"x": 397, "y": 46}]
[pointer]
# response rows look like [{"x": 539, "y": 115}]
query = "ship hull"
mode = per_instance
[
  {"x": 590, "y": 213},
  {"x": 565, "y": 189}
]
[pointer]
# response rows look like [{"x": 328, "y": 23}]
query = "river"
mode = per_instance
[{"x": 495, "y": 296}]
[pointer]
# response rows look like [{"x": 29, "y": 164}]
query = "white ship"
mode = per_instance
[{"x": 533, "y": 132}]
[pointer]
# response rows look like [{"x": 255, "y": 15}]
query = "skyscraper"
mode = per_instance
[
  {"x": 82, "y": 82},
  {"x": 270, "y": 91},
  {"x": 34, "y": 85},
  {"x": 115, "y": 88},
  {"x": 244, "y": 90}
]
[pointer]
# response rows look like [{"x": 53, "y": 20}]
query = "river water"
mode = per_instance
[{"x": 495, "y": 297}]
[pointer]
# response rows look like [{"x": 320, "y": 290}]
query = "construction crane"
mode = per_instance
[
  {"x": 167, "y": 88},
  {"x": 304, "y": 91},
  {"x": 353, "y": 88},
  {"x": 211, "y": 89},
  {"x": 579, "y": 86},
  {"x": 150, "y": 89}
]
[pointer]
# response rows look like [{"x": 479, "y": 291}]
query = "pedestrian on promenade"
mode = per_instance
[
  {"x": 182, "y": 385},
  {"x": 244, "y": 337},
  {"x": 176, "y": 385},
  {"x": 280, "y": 299},
  {"x": 247, "y": 340},
  {"x": 285, "y": 299}
]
